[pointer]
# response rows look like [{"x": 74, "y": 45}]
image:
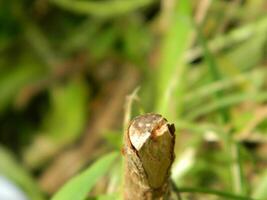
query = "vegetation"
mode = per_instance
[{"x": 73, "y": 74}]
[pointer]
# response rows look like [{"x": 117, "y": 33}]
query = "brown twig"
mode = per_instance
[{"x": 149, "y": 154}]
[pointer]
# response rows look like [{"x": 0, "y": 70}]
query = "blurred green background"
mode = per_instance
[{"x": 74, "y": 72}]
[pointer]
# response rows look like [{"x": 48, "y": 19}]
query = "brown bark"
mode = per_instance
[{"x": 149, "y": 153}]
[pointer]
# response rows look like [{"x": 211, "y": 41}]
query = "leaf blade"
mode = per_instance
[{"x": 79, "y": 186}]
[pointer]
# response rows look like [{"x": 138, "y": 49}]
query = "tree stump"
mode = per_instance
[{"x": 149, "y": 154}]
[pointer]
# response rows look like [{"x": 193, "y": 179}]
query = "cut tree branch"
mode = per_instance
[{"x": 149, "y": 154}]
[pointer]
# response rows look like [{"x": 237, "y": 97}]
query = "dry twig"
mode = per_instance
[{"x": 149, "y": 154}]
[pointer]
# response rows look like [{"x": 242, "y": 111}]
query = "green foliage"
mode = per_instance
[
  {"x": 62, "y": 124},
  {"x": 12, "y": 81},
  {"x": 224, "y": 195},
  {"x": 172, "y": 65},
  {"x": 68, "y": 107},
  {"x": 102, "y": 9},
  {"x": 80, "y": 185},
  {"x": 66, "y": 67}
]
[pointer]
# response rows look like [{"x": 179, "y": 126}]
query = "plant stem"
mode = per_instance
[{"x": 149, "y": 154}]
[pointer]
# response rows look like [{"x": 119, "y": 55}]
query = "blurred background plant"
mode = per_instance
[{"x": 68, "y": 70}]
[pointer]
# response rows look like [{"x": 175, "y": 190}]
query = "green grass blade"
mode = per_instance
[
  {"x": 172, "y": 65},
  {"x": 103, "y": 8},
  {"x": 232, "y": 38},
  {"x": 260, "y": 190},
  {"x": 79, "y": 187},
  {"x": 223, "y": 194},
  {"x": 247, "y": 78},
  {"x": 213, "y": 69},
  {"x": 227, "y": 101}
]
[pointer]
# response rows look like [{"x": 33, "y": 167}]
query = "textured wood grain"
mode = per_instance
[{"x": 149, "y": 153}]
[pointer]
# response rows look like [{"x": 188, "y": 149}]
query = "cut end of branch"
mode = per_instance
[
  {"x": 144, "y": 127},
  {"x": 149, "y": 151}
]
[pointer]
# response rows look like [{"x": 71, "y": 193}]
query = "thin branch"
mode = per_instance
[{"x": 149, "y": 154}]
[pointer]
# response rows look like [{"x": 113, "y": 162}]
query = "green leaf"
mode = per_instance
[
  {"x": 69, "y": 103},
  {"x": 108, "y": 8},
  {"x": 260, "y": 191},
  {"x": 12, "y": 80},
  {"x": 79, "y": 187},
  {"x": 62, "y": 124}
]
